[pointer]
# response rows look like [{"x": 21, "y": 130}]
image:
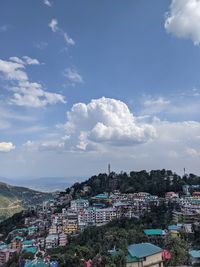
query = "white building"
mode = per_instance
[
  {"x": 52, "y": 241},
  {"x": 79, "y": 204}
]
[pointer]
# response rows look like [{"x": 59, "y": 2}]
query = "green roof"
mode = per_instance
[
  {"x": 32, "y": 228},
  {"x": 30, "y": 249},
  {"x": 28, "y": 242},
  {"x": 37, "y": 263},
  {"x": 154, "y": 232},
  {"x": 141, "y": 250}
]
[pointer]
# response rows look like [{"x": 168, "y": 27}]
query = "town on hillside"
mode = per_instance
[{"x": 50, "y": 228}]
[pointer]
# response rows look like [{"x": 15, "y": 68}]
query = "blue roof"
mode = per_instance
[
  {"x": 101, "y": 196},
  {"x": 194, "y": 253},
  {"x": 173, "y": 227},
  {"x": 3, "y": 246},
  {"x": 142, "y": 250}
]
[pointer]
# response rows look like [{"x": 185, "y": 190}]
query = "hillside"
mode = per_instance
[
  {"x": 13, "y": 199},
  {"x": 156, "y": 182}
]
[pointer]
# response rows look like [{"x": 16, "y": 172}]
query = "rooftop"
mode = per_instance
[
  {"x": 141, "y": 250},
  {"x": 36, "y": 264},
  {"x": 173, "y": 227},
  {"x": 30, "y": 249},
  {"x": 154, "y": 232},
  {"x": 194, "y": 253}
]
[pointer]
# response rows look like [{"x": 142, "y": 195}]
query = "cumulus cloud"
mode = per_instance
[
  {"x": 48, "y": 3},
  {"x": 53, "y": 25},
  {"x": 26, "y": 93},
  {"x": 105, "y": 121},
  {"x": 6, "y": 146},
  {"x": 73, "y": 76},
  {"x": 183, "y": 19}
]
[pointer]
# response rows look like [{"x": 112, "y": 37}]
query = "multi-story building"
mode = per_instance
[
  {"x": 86, "y": 217},
  {"x": 51, "y": 241},
  {"x": 16, "y": 243},
  {"x": 62, "y": 240},
  {"x": 5, "y": 255},
  {"x": 79, "y": 204},
  {"x": 53, "y": 229},
  {"x": 103, "y": 216},
  {"x": 196, "y": 195},
  {"x": 70, "y": 228}
]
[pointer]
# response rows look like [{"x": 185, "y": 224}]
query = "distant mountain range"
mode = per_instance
[
  {"x": 46, "y": 184},
  {"x": 14, "y": 198}
]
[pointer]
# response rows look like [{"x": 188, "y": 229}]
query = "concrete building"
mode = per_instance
[
  {"x": 5, "y": 255},
  {"x": 51, "y": 241},
  {"x": 79, "y": 204},
  {"x": 103, "y": 216},
  {"x": 70, "y": 228},
  {"x": 62, "y": 240}
]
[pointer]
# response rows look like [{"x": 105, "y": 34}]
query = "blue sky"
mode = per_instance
[{"x": 84, "y": 83}]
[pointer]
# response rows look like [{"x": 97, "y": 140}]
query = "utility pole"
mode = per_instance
[{"x": 109, "y": 169}]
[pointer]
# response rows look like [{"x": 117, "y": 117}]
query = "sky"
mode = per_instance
[{"x": 87, "y": 83}]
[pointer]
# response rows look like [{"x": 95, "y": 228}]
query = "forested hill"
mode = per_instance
[
  {"x": 155, "y": 182},
  {"x": 14, "y": 199}
]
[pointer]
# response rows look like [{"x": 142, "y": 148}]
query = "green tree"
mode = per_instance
[{"x": 178, "y": 250}]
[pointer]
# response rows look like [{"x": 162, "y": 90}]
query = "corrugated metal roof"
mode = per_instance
[
  {"x": 173, "y": 227},
  {"x": 154, "y": 232},
  {"x": 36, "y": 264},
  {"x": 194, "y": 253},
  {"x": 142, "y": 250}
]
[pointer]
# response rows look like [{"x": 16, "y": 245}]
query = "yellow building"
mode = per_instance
[
  {"x": 144, "y": 254},
  {"x": 196, "y": 195},
  {"x": 70, "y": 228},
  {"x": 16, "y": 244},
  {"x": 53, "y": 230}
]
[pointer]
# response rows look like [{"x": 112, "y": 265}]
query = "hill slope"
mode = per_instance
[{"x": 13, "y": 199}]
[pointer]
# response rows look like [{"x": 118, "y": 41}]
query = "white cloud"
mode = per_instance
[
  {"x": 6, "y": 146},
  {"x": 192, "y": 152},
  {"x": 183, "y": 19},
  {"x": 48, "y": 3},
  {"x": 155, "y": 105},
  {"x": 26, "y": 93},
  {"x": 25, "y": 60},
  {"x": 105, "y": 121},
  {"x": 31, "y": 61},
  {"x": 73, "y": 76},
  {"x": 53, "y": 25},
  {"x": 68, "y": 39},
  {"x": 12, "y": 70}
]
